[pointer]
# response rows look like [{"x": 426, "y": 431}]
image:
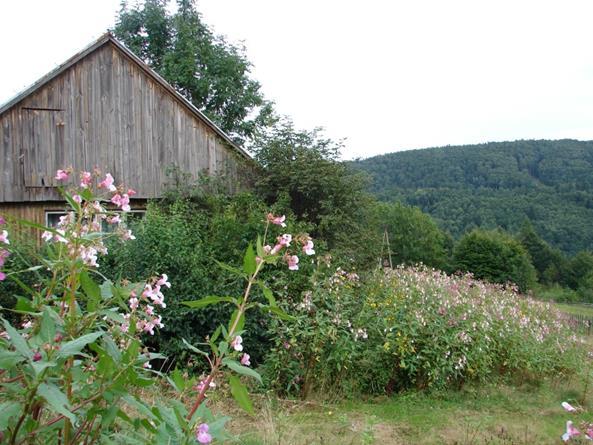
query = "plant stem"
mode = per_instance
[{"x": 218, "y": 360}]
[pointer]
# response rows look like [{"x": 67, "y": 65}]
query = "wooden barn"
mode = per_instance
[{"x": 105, "y": 108}]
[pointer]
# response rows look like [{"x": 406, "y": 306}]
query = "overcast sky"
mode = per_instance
[{"x": 386, "y": 75}]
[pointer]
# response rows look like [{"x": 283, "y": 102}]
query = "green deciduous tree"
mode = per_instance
[
  {"x": 208, "y": 70},
  {"x": 495, "y": 256},
  {"x": 414, "y": 236},
  {"x": 301, "y": 169}
]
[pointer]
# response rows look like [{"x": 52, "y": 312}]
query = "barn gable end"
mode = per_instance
[{"x": 106, "y": 108}]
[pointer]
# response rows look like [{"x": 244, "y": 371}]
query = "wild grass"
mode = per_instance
[{"x": 496, "y": 414}]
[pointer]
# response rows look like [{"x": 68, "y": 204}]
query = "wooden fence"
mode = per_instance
[{"x": 581, "y": 324}]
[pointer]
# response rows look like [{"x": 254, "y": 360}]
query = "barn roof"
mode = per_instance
[{"x": 105, "y": 39}]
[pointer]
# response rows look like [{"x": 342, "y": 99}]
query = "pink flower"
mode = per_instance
[
  {"x": 267, "y": 249},
  {"x": 2, "y": 220},
  {"x": 147, "y": 365},
  {"x": 308, "y": 248},
  {"x": 293, "y": 262},
  {"x": 149, "y": 310},
  {"x": 127, "y": 235},
  {"x": 202, "y": 435},
  {"x": 2, "y": 276},
  {"x": 245, "y": 360},
  {"x": 108, "y": 183},
  {"x": 285, "y": 239},
  {"x": 3, "y": 255},
  {"x": 236, "y": 344},
  {"x": 570, "y": 431},
  {"x": 4, "y": 237},
  {"x": 278, "y": 220},
  {"x": 568, "y": 407},
  {"x": 85, "y": 179},
  {"x": 163, "y": 281},
  {"x": 131, "y": 192},
  {"x": 37, "y": 356},
  {"x": 134, "y": 303},
  {"x": 62, "y": 175},
  {"x": 77, "y": 198},
  {"x": 115, "y": 219}
]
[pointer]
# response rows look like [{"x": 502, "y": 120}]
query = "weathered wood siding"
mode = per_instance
[{"x": 105, "y": 111}]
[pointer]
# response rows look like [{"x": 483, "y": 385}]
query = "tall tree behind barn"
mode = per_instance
[{"x": 105, "y": 107}]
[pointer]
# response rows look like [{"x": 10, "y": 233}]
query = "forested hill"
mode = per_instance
[{"x": 496, "y": 185}]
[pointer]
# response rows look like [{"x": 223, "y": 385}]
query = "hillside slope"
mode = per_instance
[{"x": 496, "y": 185}]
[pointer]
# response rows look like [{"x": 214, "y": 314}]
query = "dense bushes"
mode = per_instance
[
  {"x": 182, "y": 238},
  {"x": 413, "y": 327}
]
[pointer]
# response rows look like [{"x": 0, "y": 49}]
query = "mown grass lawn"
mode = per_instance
[
  {"x": 576, "y": 309},
  {"x": 487, "y": 414}
]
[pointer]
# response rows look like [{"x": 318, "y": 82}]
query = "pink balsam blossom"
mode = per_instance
[
  {"x": 278, "y": 220},
  {"x": 108, "y": 183},
  {"x": 245, "y": 360},
  {"x": 62, "y": 175},
  {"x": 568, "y": 407},
  {"x": 293, "y": 262},
  {"x": 237, "y": 343},
  {"x": 571, "y": 431},
  {"x": 164, "y": 281},
  {"x": 4, "y": 237},
  {"x": 308, "y": 248},
  {"x": 202, "y": 434},
  {"x": 85, "y": 179}
]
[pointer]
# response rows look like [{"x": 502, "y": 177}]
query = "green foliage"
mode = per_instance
[
  {"x": 415, "y": 328},
  {"x": 189, "y": 240},
  {"x": 209, "y": 71},
  {"x": 550, "y": 264},
  {"x": 496, "y": 257},
  {"x": 71, "y": 365},
  {"x": 302, "y": 173},
  {"x": 414, "y": 236},
  {"x": 496, "y": 185}
]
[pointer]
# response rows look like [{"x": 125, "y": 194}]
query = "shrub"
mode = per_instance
[{"x": 183, "y": 238}]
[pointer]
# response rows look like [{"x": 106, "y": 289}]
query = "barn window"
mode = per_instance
[{"x": 52, "y": 218}]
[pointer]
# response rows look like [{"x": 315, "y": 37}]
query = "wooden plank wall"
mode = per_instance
[{"x": 105, "y": 111}]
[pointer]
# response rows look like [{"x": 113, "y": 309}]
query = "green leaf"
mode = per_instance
[
  {"x": 9, "y": 358},
  {"x": 57, "y": 399},
  {"x": 267, "y": 293},
  {"x": 216, "y": 333},
  {"x": 17, "y": 341},
  {"x": 240, "y": 324},
  {"x": 106, "y": 289},
  {"x": 249, "y": 263},
  {"x": 48, "y": 326},
  {"x": 91, "y": 289},
  {"x": 7, "y": 411},
  {"x": 231, "y": 269},
  {"x": 244, "y": 370},
  {"x": 177, "y": 380},
  {"x": 193, "y": 348},
  {"x": 24, "y": 305},
  {"x": 278, "y": 312},
  {"x": 75, "y": 206},
  {"x": 76, "y": 345},
  {"x": 240, "y": 394},
  {"x": 212, "y": 299},
  {"x": 260, "y": 248},
  {"x": 40, "y": 366}
]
